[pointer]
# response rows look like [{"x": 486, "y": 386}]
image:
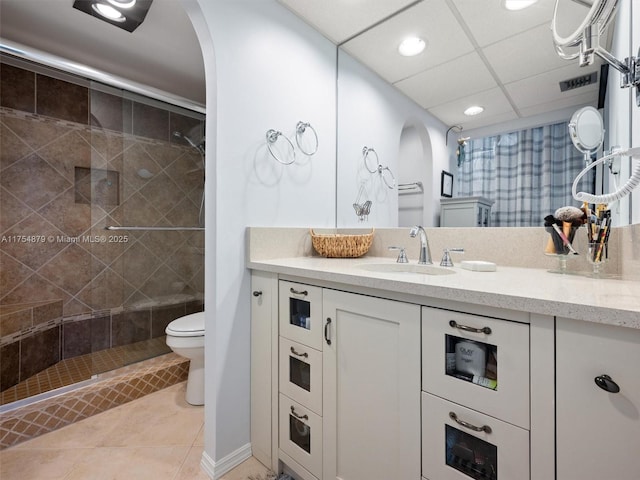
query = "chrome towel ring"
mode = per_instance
[
  {"x": 272, "y": 138},
  {"x": 301, "y": 128},
  {"x": 388, "y": 177}
]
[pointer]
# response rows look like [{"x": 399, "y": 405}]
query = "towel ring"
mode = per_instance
[
  {"x": 365, "y": 152},
  {"x": 387, "y": 176},
  {"x": 301, "y": 127},
  {"x": 272, "y": 138}
]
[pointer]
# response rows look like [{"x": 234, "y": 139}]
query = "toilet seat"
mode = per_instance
[{"x": 187, "y": 326}]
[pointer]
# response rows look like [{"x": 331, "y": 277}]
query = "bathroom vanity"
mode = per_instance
[{"x": 360, "y": 372}]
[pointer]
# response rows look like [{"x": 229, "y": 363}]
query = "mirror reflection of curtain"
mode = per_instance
[{"x": 528, "y": 174}]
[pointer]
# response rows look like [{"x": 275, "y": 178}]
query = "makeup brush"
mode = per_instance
[{"x": 574, "y": 215}]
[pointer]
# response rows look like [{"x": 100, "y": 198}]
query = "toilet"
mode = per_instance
[{"x": 185, "y": 336}]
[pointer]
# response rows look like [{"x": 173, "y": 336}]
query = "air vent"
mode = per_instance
[{"x": 578, "y": 82}]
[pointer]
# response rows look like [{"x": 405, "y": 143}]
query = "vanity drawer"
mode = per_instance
[
  {"x": 301, "y": 435},
  {"x": 300, "y": 312},
  {"x": 459, "y": 349},
  {"x": 301, "y": 374},
  {"x": 453, "y": 449}
]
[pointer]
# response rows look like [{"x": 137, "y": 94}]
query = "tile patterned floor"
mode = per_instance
[
  {"x": 159, "y": 437},
  {"x": 77, "y": 369}
]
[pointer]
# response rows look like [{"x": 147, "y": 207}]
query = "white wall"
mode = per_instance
[
  {"x": 635, "y": 115},
  {"x": 619, "y": 109},
  {"x": 271, "y": 71},
  {"x": 372, "y": 113}
]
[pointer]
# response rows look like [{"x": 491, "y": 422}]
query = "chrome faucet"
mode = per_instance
[{"x": 425, "y": 253}]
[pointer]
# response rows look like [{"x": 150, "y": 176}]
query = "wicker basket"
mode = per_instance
[{"x": 336, "y": 245}]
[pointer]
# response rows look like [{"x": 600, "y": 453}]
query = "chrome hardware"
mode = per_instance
[
  {"x": 402, "y": 256},
  {"x": 297, "y": 292},
  {"x": 326, "y": 331},
  {"x": 606, "y": 383},
  {"x": 425, "y": 253},
  {"x": 272, "y": 137},
  {"x": 303, "y": 355},
  {"x": 485, "y": 330},
  {"x": 257, "y": 293},
  {"x": 301, "y": 417},
  {"x": 484, "y": 428},
  {"x": 446, "y": 258},
  {"x": 301, "y": 128}
]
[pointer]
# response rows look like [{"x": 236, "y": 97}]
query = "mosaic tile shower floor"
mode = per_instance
[{"x": 80, "y": 368}]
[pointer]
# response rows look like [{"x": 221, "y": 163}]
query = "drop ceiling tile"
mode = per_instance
[
  {"x": 576, "y": 101},
  {"x": 545, "y": 89},
  {"x": 431, "y": 20},
  {"x": 339, "y": 20},
  {"x": 460, "y": 78},
  {"x": 489, "y": 22},
  {"x": 494, "y": 101},
  {"x": 528, "y": 53}
]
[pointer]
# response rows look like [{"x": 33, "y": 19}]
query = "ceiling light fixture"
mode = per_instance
[
  {"x": 125, "y": 14},
  {"x": 411, "y": 46},
  {"x": 122, "y": 3},
  {"x": 108, "y": 11},
  {"x": 514, "y": 5},
  {"x": 474, "y": 110}
]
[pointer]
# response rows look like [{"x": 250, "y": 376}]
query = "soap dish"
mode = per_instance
[{"x": 478, "y": 266}]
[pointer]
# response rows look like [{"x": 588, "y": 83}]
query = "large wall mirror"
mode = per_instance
[{"x": 475, "y": 53}]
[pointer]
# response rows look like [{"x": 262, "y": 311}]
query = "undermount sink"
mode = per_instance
[{"x": 406, "y": 268}]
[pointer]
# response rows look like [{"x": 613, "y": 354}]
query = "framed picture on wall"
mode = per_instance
[{"x": 446, "y": 184}]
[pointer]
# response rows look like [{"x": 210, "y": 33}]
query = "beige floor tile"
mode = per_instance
[
  {"x": 191, "y": 469},
  {"x": 251, "y": 466},
  {"x": 199, "y": 442},
  {"x": 125, "y": 463},
  {"x": 159, "y": 424},
  {"x": 38, "y": 464},
  {"x": 86, "y": 433}
]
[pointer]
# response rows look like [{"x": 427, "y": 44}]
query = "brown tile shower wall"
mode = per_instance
[{"x": 59, "y": 141}]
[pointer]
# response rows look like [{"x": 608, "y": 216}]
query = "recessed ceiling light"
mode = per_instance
[
  {"x": 108, "y": 12},
  {"x": 411, "y": 46},
  {"x": 124, "y": 14},
  {"x": 517, "y": 4},
  {"x": 123, "y": 3},
  {"x": 474, "y": 110}
]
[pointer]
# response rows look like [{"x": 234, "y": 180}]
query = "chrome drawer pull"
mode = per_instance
[
  {"x": 485, "y": 330},
  {"x": 606, "y": 383},
  {"x": 303, "y": 355},
  {"x": 454, "y": 417},
  {"x": 297, "y": 292},
  {"x": 301, "y": 417}
]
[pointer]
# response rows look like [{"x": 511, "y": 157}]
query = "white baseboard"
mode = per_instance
[{"x": 215, "y": 470}]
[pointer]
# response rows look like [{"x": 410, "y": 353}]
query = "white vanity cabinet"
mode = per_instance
[
  {"x": 371, "y": 388},
  {"x": 475, "y": 401},
  {"x": 351, "y": 409},
  {"x": 364, "y": 387},
  {"x": 300, "y": 377},
  {"x": 598, "y": 430},
  {"x": 264, "y": 374}
]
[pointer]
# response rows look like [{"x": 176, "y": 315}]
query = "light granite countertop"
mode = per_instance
[{"x": 608, "y": 301}]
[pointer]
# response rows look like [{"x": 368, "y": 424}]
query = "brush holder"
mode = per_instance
[{"x": 597, "y": 256}]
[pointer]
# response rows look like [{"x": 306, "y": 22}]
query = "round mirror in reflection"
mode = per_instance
[
  {"x": 587, "y": 129},
  {"x": 572, "y": 17}
]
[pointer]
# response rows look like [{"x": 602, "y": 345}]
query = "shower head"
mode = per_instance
[{"x": 198, "y": 146}]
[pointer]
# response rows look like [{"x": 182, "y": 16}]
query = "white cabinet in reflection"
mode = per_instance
[{"x": 465, "y": 212}]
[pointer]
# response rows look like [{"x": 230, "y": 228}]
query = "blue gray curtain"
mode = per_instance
[{"x": 528, "y": 174}]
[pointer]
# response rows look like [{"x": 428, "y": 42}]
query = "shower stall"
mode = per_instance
[{"x": 101, "y": 233}]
